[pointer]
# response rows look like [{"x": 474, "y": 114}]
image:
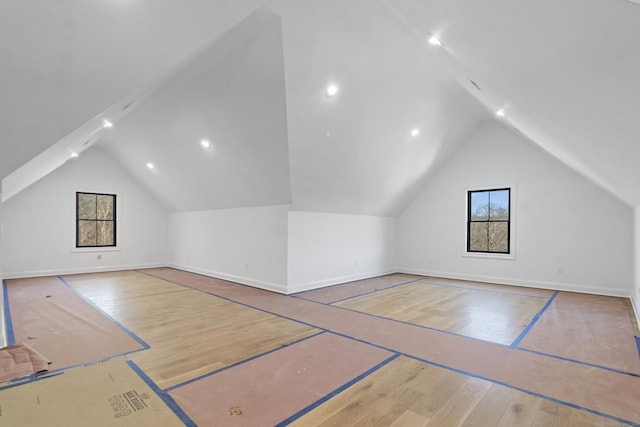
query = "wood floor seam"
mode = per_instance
[{"x": 241, "y": 349}]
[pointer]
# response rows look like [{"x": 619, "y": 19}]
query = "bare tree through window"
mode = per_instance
[
  {"x": 95, "y": 220},
  {"x": 488, "y": 221}
]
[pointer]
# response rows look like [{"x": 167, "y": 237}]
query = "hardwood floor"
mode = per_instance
[
  {"x": 484, "y": 314},
  {"x": 189, "y": 333},
  {"x": 382, "y": 355},
  {"x": 408, "y": 392}
]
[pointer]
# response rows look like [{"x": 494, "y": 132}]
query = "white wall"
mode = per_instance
[
  {"x": 39, "y": 222},
  {"x": 635, "y": 294},
  {"x": 1, "y": 234},
  {"x": 3, "y": 331},
  {"x": 245, "y": 245},
  {"x": 327, "y": 248},
  {"x": 570, "y": 234}
]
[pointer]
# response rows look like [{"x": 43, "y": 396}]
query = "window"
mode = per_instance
[
  {"x": 488, "y": 221},
  {"x": 95, "y": 220}
]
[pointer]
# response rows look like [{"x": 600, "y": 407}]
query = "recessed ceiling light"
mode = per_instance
[
  {"x": 73, "y": 154},
  {"x": 434, "y": 41},
  {"x": 151, "y": 166},
  {"x": 106, "y": 124},
  {"x": 415, "y": 132},
  {"x": 332, "y": 90},
  {"x": 205, "y": 144},
  {"x": 500, "y": 112}
]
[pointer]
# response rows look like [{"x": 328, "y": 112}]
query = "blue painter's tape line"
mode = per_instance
[
  {"x": 30, "y": 379},
  {"x": 101, "y": 359},
  {"x": 638, "y": 345},
  {"x": 291, "y": 419},
  {"x": 232, "y": 300},
  {"x": 532, "y": 393},
  {"x": 412, "y": 324},
  {"x": 534, "y": 321},
  {"x": 318, "y": 303},
  {"x": 11, "y": 339},
  {"x": 374, "y": 291},
  {"x": 336, "y": 391},
  {"x": 208, "y": 374},
  {"x": 105, "y": 314},
  {"x": 168, "y": 400},
  {"x": 314, "y": 302},
  {"x": 471, "y": 288},
  {"x": 580, "y": 362}
]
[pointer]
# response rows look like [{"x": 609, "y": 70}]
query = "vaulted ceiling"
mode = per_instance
[{"x": 250, "y": 77}]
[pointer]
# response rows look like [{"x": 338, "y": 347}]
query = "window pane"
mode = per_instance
[
  {"x": 479, "y": 205},
  {"x": 86, "y": 206},
  {"x": 479, "y": 236},
  {"x": 105, "y": 207},
  {"x": 105, "y": 233},
  {"x": 498, "y": 237},
  {"x": 499, "y": 205},
  {"x": 86, "y": 233}
]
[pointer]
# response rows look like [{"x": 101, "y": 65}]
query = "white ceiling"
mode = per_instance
[{"x": 252, "y": 81}]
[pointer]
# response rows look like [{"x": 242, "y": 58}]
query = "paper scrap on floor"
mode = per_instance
[{"x": 20, "y": 360}]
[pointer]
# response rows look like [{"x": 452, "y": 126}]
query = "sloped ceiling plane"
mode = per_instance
[{"x": 149, "y": 81}]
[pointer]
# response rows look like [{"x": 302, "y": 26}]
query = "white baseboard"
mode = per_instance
[
  {"x": 301, "y": 287},
  {"x": 79, "y": 270},
  {"x": 635, "y": 304},
  {"x": 3, "y": 326},
  {"x": 269, "y": 286},
  {"x": 556, "y": 286}
]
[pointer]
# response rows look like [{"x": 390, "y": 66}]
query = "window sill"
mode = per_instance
[
  {"x": 489, "y": 255},
  {"x": 96, "y": 249}
]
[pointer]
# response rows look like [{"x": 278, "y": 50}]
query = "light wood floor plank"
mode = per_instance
[
  {"x": 190, "y": 333},
  {"x": 406, "y": 392},
  {"x": 492, "y": 316},
  {"x": 491, "y": 408}
]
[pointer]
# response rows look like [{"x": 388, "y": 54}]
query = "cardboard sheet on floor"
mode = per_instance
[
  {"x": 108, "y": 393},
  {"x": 20, "y": 360},
  {"x": 59, "y": 323}
]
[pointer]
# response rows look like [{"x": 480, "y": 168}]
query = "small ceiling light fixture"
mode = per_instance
[
  {"x": 500, "y": 112},
  {"x": 434, "y": 41},
  {"x": 73, "y": 155},
  {"x": 415, "y": 132},
  {"x": 106, "y": 124},
  {"x": 332, "y": 90},
  {"x": 151, "y": 166},
  {"x": 205, "y": 144}
]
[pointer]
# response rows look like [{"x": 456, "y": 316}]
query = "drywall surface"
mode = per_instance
[
  {"x": 3, "y": 329},
  {"x": 327, "y": 248},
  {"x": 39, "y": 222},
  {"x": 1, "y": 238},
  {"x": 245, "y": 245},
  {"x": 635, "y": 295},
  {"x": 568, "y": 233}
]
